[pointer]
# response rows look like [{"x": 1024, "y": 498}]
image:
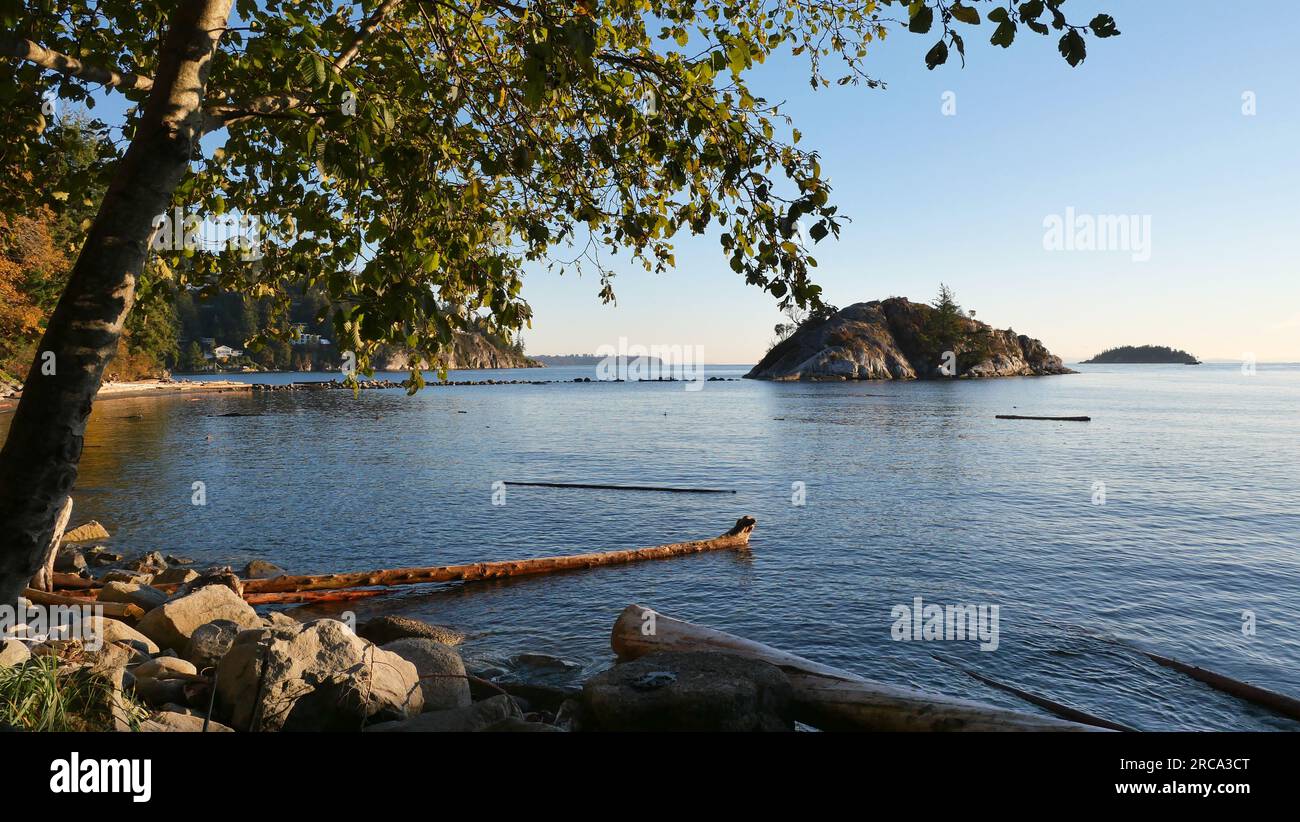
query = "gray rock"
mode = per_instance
[
  {"x": 70, "y": 561},
  {"x": 158, "y": 691},
  {"x": 114, "y": 630},
  {"x": 172, "y": 624},
  {"x": 441, "y": 672},
  {"x": 186, "y": 722},
  {"x": 314, "y": 676},
  {"x": 707, "y": 691},
  {"x": 175, "y": 576},
  {"x": 165, "y": 667},
  {"x": 385, "y": 629},
  {"x": 127, "y": 577},
  {"x": 145, "y": 596},
  {"x": 475, "y": 717},
  {"x": 150, "y": 563},
  {"x": 13, "y": 652},
  {"x": 210, "y": 642}
]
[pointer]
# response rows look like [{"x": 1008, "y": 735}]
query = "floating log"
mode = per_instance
[
  {"x": 1057, "y": 419},
  {"x": 737, "y": 537},
  {"x": 826, "y": 697},
  {"x": 624, "y": 487},
  {"x": 1060, "y": 709},
  {"x": 291, "y": 597},
  {"x": 118, "y": 610},
  {"x": 1281, "y": 703}
]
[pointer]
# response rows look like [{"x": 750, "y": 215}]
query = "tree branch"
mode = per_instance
[
  {"x": 22, "y": 49},
  {"x": 220, "y": 116}
]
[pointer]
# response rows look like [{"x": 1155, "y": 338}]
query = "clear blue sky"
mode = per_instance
[{"x": 1150, "y": 124}]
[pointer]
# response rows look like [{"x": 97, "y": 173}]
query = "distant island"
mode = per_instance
[
  {"x": 1145, "y": 354},
  {"x": 897, "y": 339}
]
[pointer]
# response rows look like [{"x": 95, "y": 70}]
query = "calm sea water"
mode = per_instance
[{"x": 912, "y": 489}]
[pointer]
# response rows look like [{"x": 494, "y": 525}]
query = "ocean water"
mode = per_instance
[{"x": 908, "y": 490}]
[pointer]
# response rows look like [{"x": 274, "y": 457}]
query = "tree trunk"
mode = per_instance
[
  {"x": 38, "y": 465},
  {"x": 44, "y": 579}
]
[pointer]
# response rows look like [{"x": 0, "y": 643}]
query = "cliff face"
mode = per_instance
[
  {"x": 469, "y": 351},
  {"x": 887, "y": 340}
]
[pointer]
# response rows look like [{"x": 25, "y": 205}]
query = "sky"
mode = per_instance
[{"x": 1150, "y": 126}]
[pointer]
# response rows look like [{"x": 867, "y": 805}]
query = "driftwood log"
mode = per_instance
[
  {"x": 825, "y": 697},
  {"x": 118, "y": 610},
  {"x": 737, "y": 537},
  {"x": 1281, "y": 703},
  {"x": 294, "y": 597}
]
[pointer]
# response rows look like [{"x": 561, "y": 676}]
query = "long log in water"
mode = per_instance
[
  {"x": 1050, "y": 419},
  {"x": 663, "y": 488},
  {"x": 737, "y": 537},
  {"x": 1060, "y": 709},
  {"x": 826, "y": 697},
  {"x": 1283, "y": 704}
]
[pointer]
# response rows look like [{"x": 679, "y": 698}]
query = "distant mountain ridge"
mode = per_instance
[{"x": 1144, "y": 354}]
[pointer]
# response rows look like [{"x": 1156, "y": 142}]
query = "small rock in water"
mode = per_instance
[
  {"x": 385, "y": 629},
  {"x": 261, "y": 569}
]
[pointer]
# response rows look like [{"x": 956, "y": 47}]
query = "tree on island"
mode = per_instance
[
  {"x": 408, "y": 156},
  {"x": 1144, "y": 354}
]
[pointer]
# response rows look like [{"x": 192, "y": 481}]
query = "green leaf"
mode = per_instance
[
  {"x": 937, "y": 55},
  {"x": 922, "y": 19},
  {"x": 1103, "y": 25},
  {"x": 1003, "y": 34},
  {"x": 1072, "y": 47},
  {"x": 966, "y": 14}
]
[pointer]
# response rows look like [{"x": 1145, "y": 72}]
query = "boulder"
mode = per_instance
[
  {"x": 158, "y": 691},
  {"x": 150, "y": 563},
  {"x": 175, "y": 576},
  {"x": 89, "y": 532},
  {"x": 441, "y": 672},
  {"x": 99, "y": 555},
  {"x": 69, "y": 561},
  {"x": 210, "y": 642},
  {"x": 165, "y": 667},
  {"x": 261, "y": 569},
  {"x": 114, "y": 630},
  {"x": 691, "y": 691},
  {"x": 314, "y": 676},
  {"x": 145, "y": 596},
  {"x": 476, "y": 717},
  {"x": 183, "y": 722},
  {"x": 127, "y": 577},
  {"x": 385, "y": 629},
  {"x": 171, "y": 624},
  {"x": 13, "y": 652}
]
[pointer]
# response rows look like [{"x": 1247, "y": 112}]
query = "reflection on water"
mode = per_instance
[{"x": 912, "y": 489}]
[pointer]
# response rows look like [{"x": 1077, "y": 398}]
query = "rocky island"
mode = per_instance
[
  {"x": 897, "y": 339},
  {"x": 1145, "y": 354}
]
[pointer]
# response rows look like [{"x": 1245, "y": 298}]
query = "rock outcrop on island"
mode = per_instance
[
  {"x": 896, "y": 339},
  {"x": 470, "y": 350}
]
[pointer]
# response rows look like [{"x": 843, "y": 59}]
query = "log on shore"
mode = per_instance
[
  {"x": 828, "y": 698},
  {"x": 1281, "y": 703},
  {"x": 117, "y": 610},
  {"x": 736, "y": 538}
]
